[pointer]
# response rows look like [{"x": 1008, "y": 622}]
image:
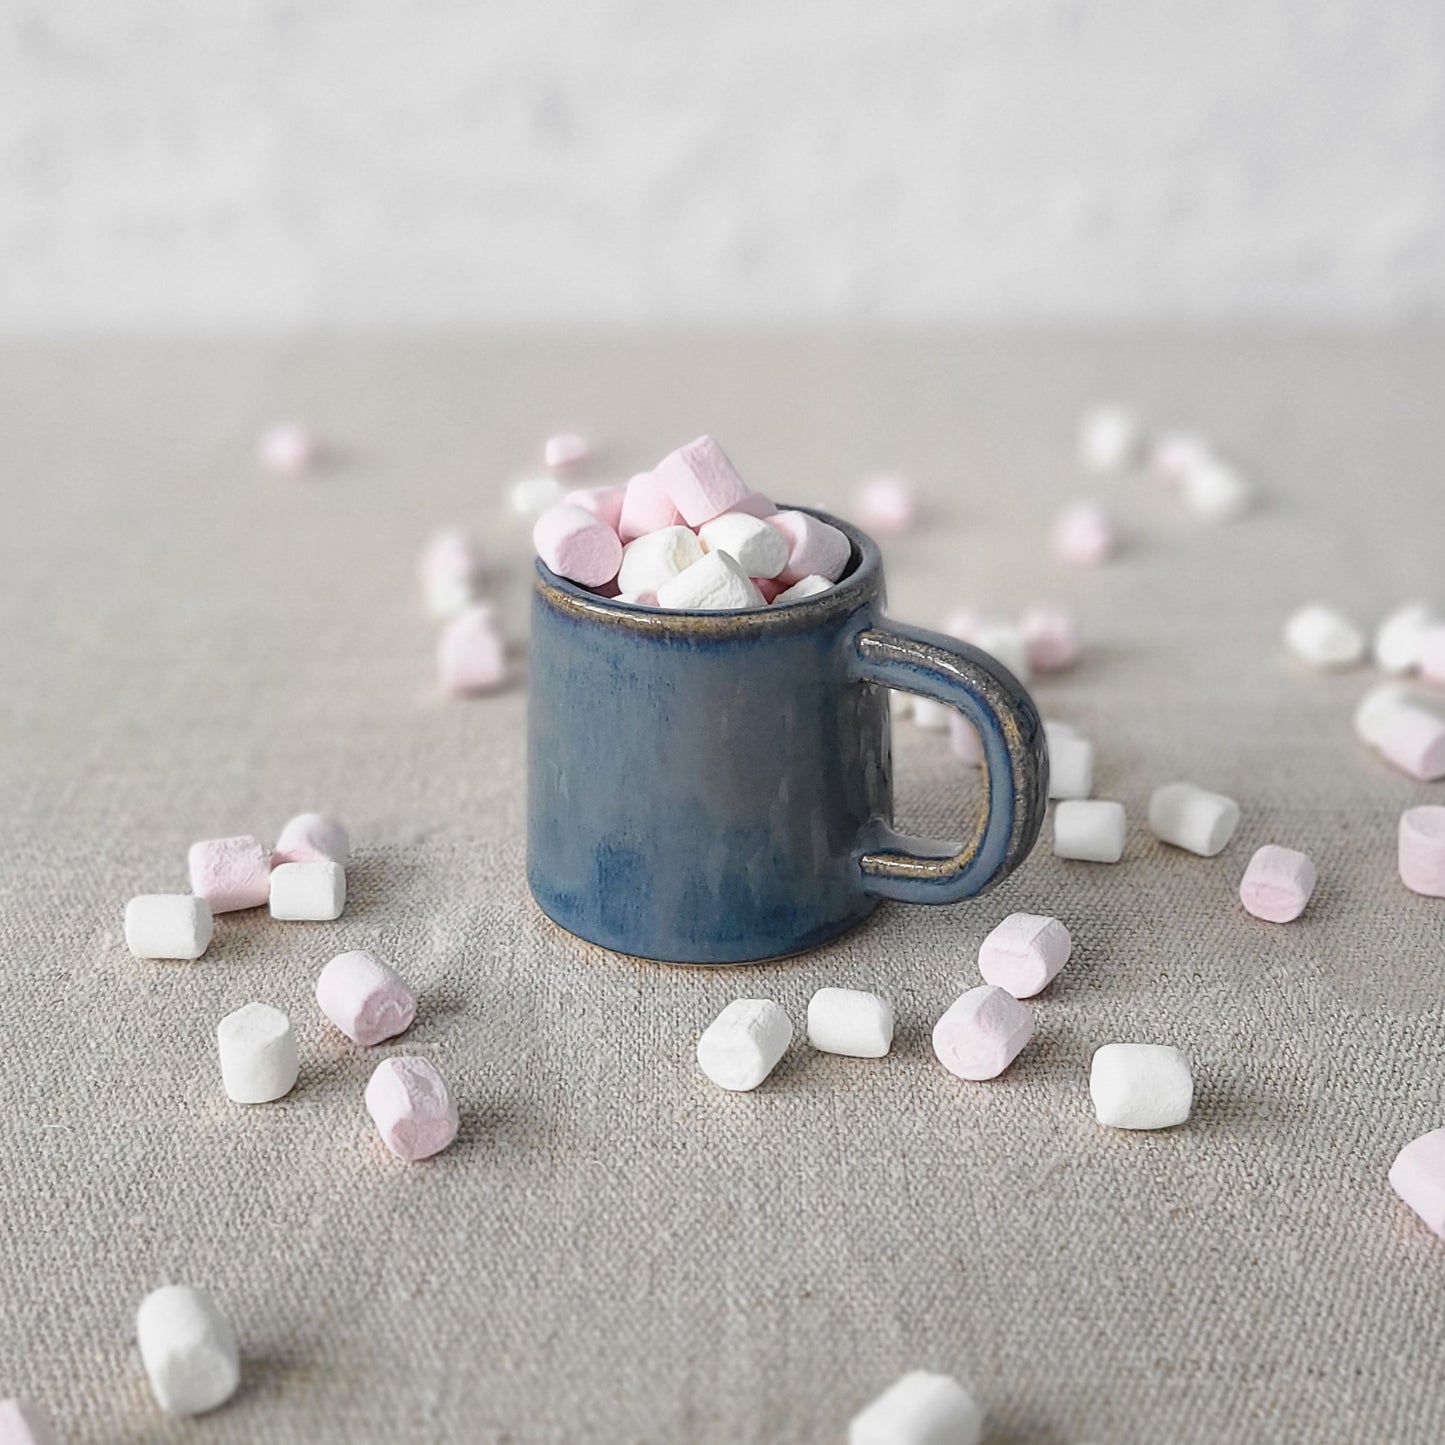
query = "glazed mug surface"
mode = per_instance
[{"x": 717, "y": 787}]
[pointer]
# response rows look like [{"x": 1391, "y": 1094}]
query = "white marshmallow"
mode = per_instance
[
  {"x": 1110, "y": 438},
  {"x": 188, "y": 1348},
  {"x": 1071, "y": 764},
  {"x": 1373, "y": 711},
  {"x": 760, "y": 550},
  {"x": 1091, "y": 831},
  {"x": 920, "y": 1409},
  {"x": 314, "y": 891},
  {"x": 715, "y": 583},
  {"x": 1193, "y": 818},
  {"x": 1399, "y": 637},
  {"x": 531, "y": 496},
  {"x": 259, "y": 1058},
  {"x": 931, "y": 715},
  {"x": 657, "y": 557},
  {"x": 1323, "y": 638},
  {"x": 1006, "y": 642},
  {"x": 1216, "y": 490},
  {"x": 808, "y": 586},
  {"x": 850, "y": 1021},
  {"x": 1140, "y": 1086},
  {"x": 168, "y": 925},
  {"x": 743, "y": 1044}
]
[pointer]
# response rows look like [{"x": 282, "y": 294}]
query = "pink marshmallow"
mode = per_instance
[
  {"x": 982, "y": 1033},
  {"x": 412, "y": 1108},
  {"x": 1051, "y": 640},
  {"x": 230, "y": 873},
  {"x": 1024, "y": 953},
  {"x": 755, "y": 504},
  {"x": 576, "y": 543},
  {"x": 770, "y": 587},
  {"x": 701, "y": 481},
  {"x": 814, "y": 547},
  {"x": 1413, "y": 739},
  {"x": 288, "y": 449},
  {"x": 1432, "y": 654},
  {"x": 471, "y": 655},
  {"x": 646, "y": 507},
  {"x": 1418, "y": 1177},
  {"x": 1277, "y": 884},
  {"x": 312, "y": 838},
  {"x": 603, "y": 502},
  {"x": 886, "y": 505},
  {"x": 963, "y": 739},
  {"x": 1422, "y": 850},
  {"x": 1176, "y": 454},
  {"x": 646, "y": 597},
  {"x": 565, "y": 449},
  {"x": 963, "y": 624},
  {"x": 22, "y": 1423},
  {"x": 1082, "y": 535},
  {"x": 451, "y": 565},
  {"x": 365, "y": 999}
]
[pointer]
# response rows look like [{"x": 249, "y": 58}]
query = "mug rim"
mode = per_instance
[{"x": 856, "y": 587}]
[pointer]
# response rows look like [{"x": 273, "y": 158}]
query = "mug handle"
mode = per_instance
[{"x": 1015, "y": 772}]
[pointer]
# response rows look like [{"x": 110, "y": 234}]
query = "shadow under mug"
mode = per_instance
[{"x": 717, "y": 787}]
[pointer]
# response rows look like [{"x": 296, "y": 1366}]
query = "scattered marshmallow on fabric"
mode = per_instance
[
  {"x": 809, "y": 586},
  {"x": 188, "y": 1349},
  {"x": 1278, "y": 884},
  {"x": 815, "y": 547},
  {"x": 1375, "y": 707},
  {"x": 886, "y": 505},
  {"x": 1421, "y": 850},
  {"x": 1024, "y": 953},
  {"x": 744, "y": 1043},
  {"x": 168, "y": 925},
  {"x": 311, "y": 836},
  {"x": 1412, "y": 738},
  {"x": 982, "y": 1033},
  {"x": 850, "y": 1021},
  {"x": 565, "y": 449},
  {"x": 451, "y": 568},
  {"x": 760, "y": 550},
  {"x": 471, "y": 654},
  {"x": 1071, "y": 763},
  {"x": 1141, "y": 1086},
  {"x": 714, "y": 583},
  {"x": 603, "y": 502},
  {"x": 1089, "y": 830},
  {"x": 1216, "y": 490},
  {"x": 1193, "y": 818},
  {"x": 701, "y": 481},
  {"x": 531, "y": 496},
  {"x": 1051, "y": 639},
  {"x": 1110, "y": 438},
  {"x": 230, "y": 873},
  {"x": 577, "y": 544},
  {"x": 1175, "y": 454},
  {"x": 308, "y": 892},
  {"x": 24, "y": 1423},
  {"x": 367, "y": 1000},
  {"x": 259, "y": 1058},
  {"x": 1005, "y": 643},
  {"x": 288, "y": 449},
  {"x": 1400, "y": 638},
  {"x": 964, "y": 740},
  {"x": 1418, "y": 1177},
  {"x": 1432, "y": 654},
  {"x": 1083, "y": 535},
  {"x": 412, "y": 1108},
  {"x": 1323, "y": 638},
  {"x": 919, "y": 1409},
  {"x": 657, "y": 557}
]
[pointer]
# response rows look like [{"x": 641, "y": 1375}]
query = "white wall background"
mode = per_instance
[{"x": 267, "y": 163}]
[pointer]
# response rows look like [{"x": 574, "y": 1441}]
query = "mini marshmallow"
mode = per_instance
[
  {"x": 850, "y": 1021},
  {"x": 760, "y": 550},
  {"x": 755, "y": 504},
  {"x": 1024, "y": 953},
  {"x": 288, "y": 450},
  {"x": 1216, "y": 490},
  {"x": 919, "y": 1409},
  {"x": 365, "y": 999},
  {"x": 309, "y": 836},
  {"x": 531, "y": 496},
  {"x": 1422, "y": 850},
  {"x": 188, "y": 1348},
  {"x": 1140, "y": 1086},
  {"x": 259, "y": 1059},
  {"x": 471, "y": 654},
  {"x": 809, "y": 586},
  {"x": 1277, "y": 884},
  {"x": 603, "y": 502},
  {"x": 1082, "y": 535},
  {"x": 646, "y": 507},
  {"x": 1432, "y": 654},
  {"x": 451, "y": 567},
  {"x": 412, "y": 1108},
  {"x": 701, "y": 481},
  {"x": 22, "y": 1423},
  {"x": 886, "y": 506},
  {"x": 577, "y": 544},
  {"x": 982, "y": 1033},
  {"x": 964, "y": 740},
  {"x": 931, "y": 715},
  {"x": 771, "y": 589},
  {"x": 1413, "y": 739},
  {"x": 1323, "y": 638},
  {"x": 1401, "y": 636},
  {"x": 1374, "y": 709},
  {"x": 168, "y": 925},
  {"x": 1091, "y": 831},
  {"x": 1110, "y": 439},
  {"x": 1051, "y": 640},
  {"x": 657, "y": 557},
  {"x": 1193, "y": 818},
  {"x": 1418, "y": 1177},
  {"x": 743, "y": 1044},
  {"x": 814, "y": 547},
  {"x": 308, "y": 892},
  {"x": 230, "y": 873},
  {"x": 1177, "y": 453},
  {"x": 638, "y": 599},
  {"x": 714, "y": 583},
  {"x": 565, "y": 449},
  {"x": 1071, "y": 765},
  {"x": 1005, "y": 643}
]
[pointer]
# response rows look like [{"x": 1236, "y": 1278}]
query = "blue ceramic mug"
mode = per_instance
[{"x": 716, "y": 787}]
